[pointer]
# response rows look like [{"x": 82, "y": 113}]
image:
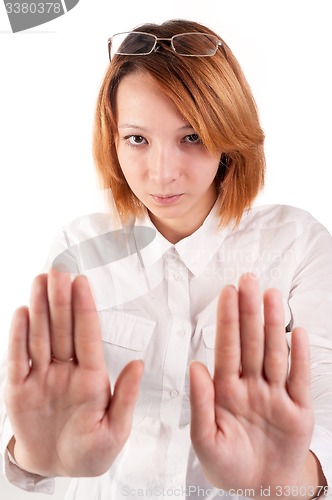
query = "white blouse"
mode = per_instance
[{"x": 157, "y": 301}]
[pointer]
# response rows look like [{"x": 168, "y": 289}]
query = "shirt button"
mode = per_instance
[
  {"x": 178, "y": 277},
  {"x": 180, "y": 333},
  {"x": 174, "y": 393}
]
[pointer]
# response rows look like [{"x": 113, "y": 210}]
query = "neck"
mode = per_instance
[{"x": 175, "y": 230}]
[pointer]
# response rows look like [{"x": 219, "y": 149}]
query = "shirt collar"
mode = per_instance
[
  {"x": 158, "y": 246},
  {"x": 195, "y": 250}
]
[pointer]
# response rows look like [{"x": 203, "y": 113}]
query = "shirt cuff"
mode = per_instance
[
  {"x": 17, "y": 476},
  {"x": 321, "y": 446}
]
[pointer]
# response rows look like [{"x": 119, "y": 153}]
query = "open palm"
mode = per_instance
[
  {"x": 66, "y": 419},
  {"x": 252, "y": 424}
]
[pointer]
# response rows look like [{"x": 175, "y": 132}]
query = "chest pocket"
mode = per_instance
[
  {"x": 209, "y": 335},
  {"x": 125, "y": 338}
]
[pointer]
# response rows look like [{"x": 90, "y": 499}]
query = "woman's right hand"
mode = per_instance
[{"x": 66, "y": 419}]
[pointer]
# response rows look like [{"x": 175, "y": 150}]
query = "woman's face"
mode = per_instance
[{"x": 161, "y": 156}]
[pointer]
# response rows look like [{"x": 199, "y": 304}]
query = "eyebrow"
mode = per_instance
[{"x": 134, "y": 126}]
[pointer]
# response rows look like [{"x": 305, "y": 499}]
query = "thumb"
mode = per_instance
[
  {"x": 202, "y": 403},
  {"x": 121, "y": 410}
]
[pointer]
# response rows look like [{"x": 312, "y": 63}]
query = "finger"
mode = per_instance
[
  {"x": 276, "y": 351},
  {"x": 227, "y": 345},
  {"x": 299, "y": 375},
  {"x": 87, "y": 338},
  {"x": 251, "y": 326},
  {"x": 18, "y": 363},
  {"x": 39, "y": 331},
  {"x": 124, "y": 399},
  {"x": 59, "y": 293},
  {"x": 202, "y": 403}
]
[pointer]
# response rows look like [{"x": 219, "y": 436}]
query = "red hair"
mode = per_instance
[{"x": 212, "y": 94}]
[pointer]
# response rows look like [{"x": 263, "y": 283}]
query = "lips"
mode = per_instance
[
  {"x": 170, "y": 195},
  {"x": 166, "y": 199}
]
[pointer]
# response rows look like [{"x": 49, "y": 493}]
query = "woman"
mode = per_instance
[{"x": 179, "y": 147}]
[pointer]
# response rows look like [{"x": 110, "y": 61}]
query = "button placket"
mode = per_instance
[{"x": 177, "y": 349}]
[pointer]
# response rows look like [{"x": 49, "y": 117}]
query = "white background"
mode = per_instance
[{"x": 49, "y": 80}]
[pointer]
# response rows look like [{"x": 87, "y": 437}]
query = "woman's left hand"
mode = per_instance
[{"x": 252, "y": 423}]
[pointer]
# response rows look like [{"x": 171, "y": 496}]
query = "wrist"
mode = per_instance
[
  {"x": 313, "y": 474},
  {"x": 13, "y": 454},
  {"x": 311, "y": 483},
  {"x": 11, "y": 450}
]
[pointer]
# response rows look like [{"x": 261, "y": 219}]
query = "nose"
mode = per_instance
[{"x": 163, "y": 165}]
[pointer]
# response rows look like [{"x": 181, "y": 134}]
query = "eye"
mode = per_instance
[
  {"x": 135, "y": 140},
  {"x": 192, "y": 139}
]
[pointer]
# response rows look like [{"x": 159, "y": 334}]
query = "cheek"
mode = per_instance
[
  {"x": 207, "y": 172},
  {"x": 128, "y": 159},
  {"x": 125, "y": 164},
  {"x": 132, "y": 175},
  {"x": 128, "y": 174}
]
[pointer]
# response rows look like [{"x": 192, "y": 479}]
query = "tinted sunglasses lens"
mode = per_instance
[
  {"x": 132, "y": 43},
  {"x": 195, "y": 44}
]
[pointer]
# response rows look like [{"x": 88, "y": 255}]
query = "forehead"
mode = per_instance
[{"x": 139, "y": 97}]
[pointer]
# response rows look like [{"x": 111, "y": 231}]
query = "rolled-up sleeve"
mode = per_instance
[{"x": 310, "y": 302}]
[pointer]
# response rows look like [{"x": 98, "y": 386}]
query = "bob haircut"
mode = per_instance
[{"x": 212, "y": 94}]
